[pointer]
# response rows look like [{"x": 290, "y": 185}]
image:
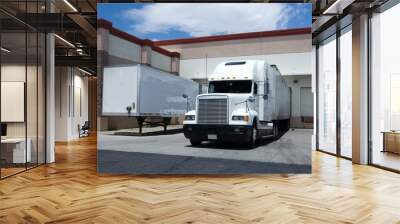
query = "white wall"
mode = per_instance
[
  {"x": 296, "y": 83},
  {"x": 33, "y": 126},
  {"x": 16, "y": 73},
  {"x": 79, "y": 117},
  {"x": 61, "y": 103},
  {"x": 244, "y": 47},
  {"x": 70, "y": 83},
  {"x": 288, "y": 64}
]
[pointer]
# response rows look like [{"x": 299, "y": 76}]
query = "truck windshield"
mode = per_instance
[{"x": 237, "y": 86}]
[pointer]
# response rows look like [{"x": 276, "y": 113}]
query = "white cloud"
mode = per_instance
[{"x": 208, "y": 19}]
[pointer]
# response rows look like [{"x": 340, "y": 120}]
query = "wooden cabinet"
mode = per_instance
[{"x": 391, "y": 142}]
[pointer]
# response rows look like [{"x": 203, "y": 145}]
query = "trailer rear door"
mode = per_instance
[{"x": 120, "y": 90}]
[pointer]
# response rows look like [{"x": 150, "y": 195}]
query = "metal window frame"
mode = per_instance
[
  {"x": 338, "y": 33},
  {"x": 381, "y": 9},
  {"x": 387, "y": 5},
  {"x": 44, "y": 74}
]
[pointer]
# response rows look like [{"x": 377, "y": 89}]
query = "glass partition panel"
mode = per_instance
[
  {"x": 15, "y": 149},
  {"x": 41, "y": 98},
  {"x": 31, "y": 97},
  {"x": 385, "y": 89},
  {"x": 327, "y": 95},
  {"x": 346, "y": 92},
  {"x": 22, "y": 89}
]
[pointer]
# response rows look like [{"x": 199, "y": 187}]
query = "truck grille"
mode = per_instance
[{"x": 213, "y": 111}]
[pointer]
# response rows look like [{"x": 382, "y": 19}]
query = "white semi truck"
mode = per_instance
[
  {"x": 246, "y": 100},
  {"x": 147, "y": 94}
]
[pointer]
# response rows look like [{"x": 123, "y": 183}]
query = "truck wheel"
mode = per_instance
[
  {"x": 253, "y": 137},
  {"x": 276, "y": 129},
  {"x": 195, "y": 142}
]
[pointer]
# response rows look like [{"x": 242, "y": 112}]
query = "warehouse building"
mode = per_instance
[
  {"x": 289, "y": 50},
  {"x": 196, "y": 58},
  {"x": 118, "y": 48}
]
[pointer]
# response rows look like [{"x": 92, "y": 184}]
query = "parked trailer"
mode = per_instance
[
  {"x": 246, "y": 100},
  {"x": 144, "y": 92}
]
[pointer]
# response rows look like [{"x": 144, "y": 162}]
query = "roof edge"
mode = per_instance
[
  {"x": 238, "y": 36},
  {"x": 102, "y": 23}
]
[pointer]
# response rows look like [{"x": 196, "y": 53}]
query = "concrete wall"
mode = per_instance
[
  {"x": 160, "y": 61},
  {"x": 115, "y": 51},
  {"x": 288, "y": 64},
  {"x": 291, "y": 54},
  {"x": 118, "y": 51},
  {"x": 124, "y": 49},
  {"x": 244, "y": 47}
]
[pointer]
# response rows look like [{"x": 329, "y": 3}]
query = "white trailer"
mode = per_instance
[
  {"x": 144, "y": 92},
  {"x": 246, "y": 100}
]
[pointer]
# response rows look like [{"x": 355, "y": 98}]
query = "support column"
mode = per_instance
[
  {"x": 314, "y": 91},
  {"x": 360, "y": 90},
  {"x": 146, "y": 55},
  {"x": 103, "y": 40},
  {"x": 175, "y": 65},
  {"x": 50, "y": 92},
  {"x": 50, "y": 99}
]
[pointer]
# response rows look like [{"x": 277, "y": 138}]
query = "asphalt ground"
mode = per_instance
[{"x": 173, "y": 154}]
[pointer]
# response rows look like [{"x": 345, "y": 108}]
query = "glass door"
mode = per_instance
[
  {"x": 346, "y": 92},
  {"x": 15, "y": 148},
  {"x": 22, "y": 77},
  {"x": 327, "y": 95},
  {"x": 385, "y": 89}
]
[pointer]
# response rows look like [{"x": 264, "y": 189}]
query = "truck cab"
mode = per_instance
[{"x": 230, "y": 110}]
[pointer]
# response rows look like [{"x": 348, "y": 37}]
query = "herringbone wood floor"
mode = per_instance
[{"x": 70, "y": 191}]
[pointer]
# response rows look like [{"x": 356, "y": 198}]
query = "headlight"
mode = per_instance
[
  {"x": 240, "y": 118},
  {"x": 189, "y": 117}
]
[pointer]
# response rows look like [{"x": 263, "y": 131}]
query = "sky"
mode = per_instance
[{"x": 163, "y": 21}]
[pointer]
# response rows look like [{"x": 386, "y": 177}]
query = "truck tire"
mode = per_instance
[
  {"x": 276, "y": 129},
  {"x": 195, "y": 142},
  {"x": 253, "y": 137}
]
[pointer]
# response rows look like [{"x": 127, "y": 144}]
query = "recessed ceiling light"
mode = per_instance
[
  {"x": 84, "y": 71},
  {"x": 70, "y": 5},
  {"x": 64, "y": 40},
  {"x": 5, "y": 50},
  {"x": 337, "y": 7}
]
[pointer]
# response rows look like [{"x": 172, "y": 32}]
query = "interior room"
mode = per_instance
[
  {"x": 42, "y": 77},
  {"x": 22, "y": 97},
  {"x": 72, "y": 103},
  {"x": 337, "y": 49},
  {"x": 385, "y": 89},
  {"x": 47, "y": 90}
]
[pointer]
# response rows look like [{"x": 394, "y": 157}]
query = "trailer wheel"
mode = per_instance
[{"x": 195, "y": 142}]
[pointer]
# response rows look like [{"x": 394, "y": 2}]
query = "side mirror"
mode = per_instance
[{"x": 251, "y": 99}]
